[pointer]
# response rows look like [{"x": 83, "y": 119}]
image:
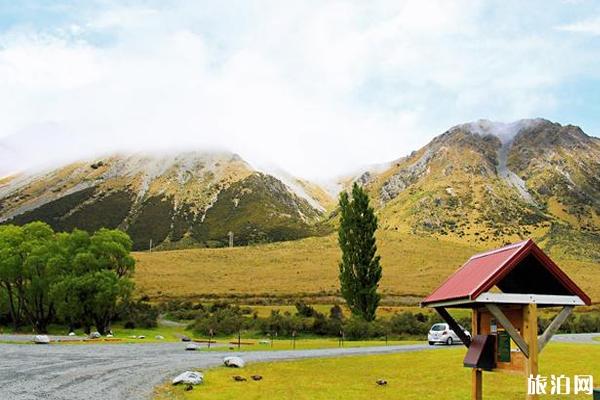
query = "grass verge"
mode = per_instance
[{"x": 411, "y": 376}]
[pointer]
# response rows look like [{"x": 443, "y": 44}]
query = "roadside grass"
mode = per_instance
[
  {"x": 120, "y": 335},
  {"x": 411, "y": 376},
  {"x": 278, "y": 273},
  {"x": 303, "y": 344}
]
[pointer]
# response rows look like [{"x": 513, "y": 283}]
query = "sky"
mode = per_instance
[{"x": 317, "y": 88}]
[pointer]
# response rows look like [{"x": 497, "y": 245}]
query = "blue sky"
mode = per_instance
[{"x": 316, "y": 88}]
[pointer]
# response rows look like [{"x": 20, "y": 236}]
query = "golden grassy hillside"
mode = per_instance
[{"x": 412, "y": 267}]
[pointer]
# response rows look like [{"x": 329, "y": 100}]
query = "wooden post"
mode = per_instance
[
  {"x": 530, "y": 335},
  {"x": 476, "y": 374}
]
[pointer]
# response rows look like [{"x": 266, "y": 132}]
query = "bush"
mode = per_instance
[
  {"x": 285, "y": 324},
  {"x": 357, "y": 328},
  {"x": 222, "y": 321},
  {"x": 138, "y": 314}
]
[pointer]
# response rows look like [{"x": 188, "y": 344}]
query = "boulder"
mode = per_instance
[
  {"x": 159, "y": 337},
  {"x": 239, "y": 378},
  {"x": 381, "y": 382},
  {"x": 41, "y": 339},
  {"x": 109, "y": 335},
  {"x": 256, "y": 377},
  {"x": 185, "y": 339},
  {"x": 141, "y": 337},
  {"x": 72, "y": 334},
  {"x": 192, "y": 346},
  {"x": 95, "y": 335},
  {"x": 189, "y": 377},
  {"x": 234, "y": 362}
]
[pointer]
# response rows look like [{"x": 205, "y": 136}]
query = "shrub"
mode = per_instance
[
  {"x": 137, "y": 314},
  {"x": 223, "y": 321}
]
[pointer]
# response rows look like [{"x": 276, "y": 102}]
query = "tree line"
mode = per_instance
[{"x": 75, "y": 278}]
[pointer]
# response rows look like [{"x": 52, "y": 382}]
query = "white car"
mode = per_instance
[{"x": 441, "y": 333}]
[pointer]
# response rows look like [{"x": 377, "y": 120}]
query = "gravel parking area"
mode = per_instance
[
  {"x": 131, "y": 371},
  {"x": 123, "y": 371}
]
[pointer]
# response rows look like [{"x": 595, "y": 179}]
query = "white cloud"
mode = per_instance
[
  {"x": 316, "y": 88},
  {"x": 588, "y": 26}
]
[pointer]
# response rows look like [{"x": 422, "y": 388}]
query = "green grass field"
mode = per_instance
[{"x": 411, "y": 376}]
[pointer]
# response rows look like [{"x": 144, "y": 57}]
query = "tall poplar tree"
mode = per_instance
[{"x": 360, "y": 270}]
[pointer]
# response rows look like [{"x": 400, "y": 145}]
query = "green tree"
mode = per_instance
[
  {"x": 97, "y": 280},
  {"x": 11, "y": 270},
  {"x": 360, "y": 270},
  {"x": 37, "y": 255}
]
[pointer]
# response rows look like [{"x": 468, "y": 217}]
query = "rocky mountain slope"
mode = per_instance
[
  {"x": 478, "y": 182},
  {"x": 494, "y": 182},
  {"x": 170, "y": 199}
]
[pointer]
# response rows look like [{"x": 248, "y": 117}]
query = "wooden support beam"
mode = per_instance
[
  {"x": 512, "y": 331},
  {"x": 530, "y": 326},
  {"x": 454, "y": 326},
  {"x": 554, "y": 326},
  {"x": 476, "y": 374}
]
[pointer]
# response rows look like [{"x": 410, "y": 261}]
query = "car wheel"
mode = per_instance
[
  {"x": 431, "y": 343},
  {"x": 449, "y": 341}
]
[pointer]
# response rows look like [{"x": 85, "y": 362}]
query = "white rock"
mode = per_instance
[
  {"x": 41, "y": 339},
  {"x": 95, "y": 335},
  {"x": 189, "y": 377},
  {"x": 192, "y": 346},
  {"x": 109, "y": 335},
  {"x": 234, "y": 362},
  {"x": 159, "y": 337},
  {"x": 71, "y": 333},
  {"x": 141, "y": 337}
]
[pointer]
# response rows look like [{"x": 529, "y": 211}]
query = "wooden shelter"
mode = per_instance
[{"x": 504, "y": 288}]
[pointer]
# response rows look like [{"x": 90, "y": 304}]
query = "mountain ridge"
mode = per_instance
[
  {"x": 163, "y": 198},
  {"x": 480, "y": 181}
]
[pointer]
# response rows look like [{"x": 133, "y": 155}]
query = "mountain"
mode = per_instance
[
  {"x": 173, "y": 200},
  {"x": 494, "y": 182}
]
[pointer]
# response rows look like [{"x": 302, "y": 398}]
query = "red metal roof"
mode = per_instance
[{"x": 483, "y": 271}]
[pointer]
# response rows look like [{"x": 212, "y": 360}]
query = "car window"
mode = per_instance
[{"x": 438, "y": 327}]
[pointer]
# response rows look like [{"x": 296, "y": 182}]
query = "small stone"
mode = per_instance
[
  {"x": 41, "y": 339},
  {"x": 188, "y": 388},
  {"x": 159, "y": 337},
  {"x": 381, "y": 382},
  {"x": 239, "y": 378},
  {"x": 264, "y": 341},
  {"x": 72, "y": 334},
  {"x": 185, "y": 339},
  {"x": 95, "y": 335},
  {"x": 141, "y": 337},
  {"x": 189, "y": 377},
  {"x": 256, "y": 377},
  {"x": 192, "y": 347},
  {"x": 109, "y": 335},
  {"x": 234, "y": 362}
]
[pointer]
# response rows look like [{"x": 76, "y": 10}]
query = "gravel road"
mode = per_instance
[
  {"x": 584, "y": 338},
  {"x": 123, "y": 371}
]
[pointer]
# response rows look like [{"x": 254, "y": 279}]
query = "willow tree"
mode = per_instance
[{"x": 360, "y": 270}]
